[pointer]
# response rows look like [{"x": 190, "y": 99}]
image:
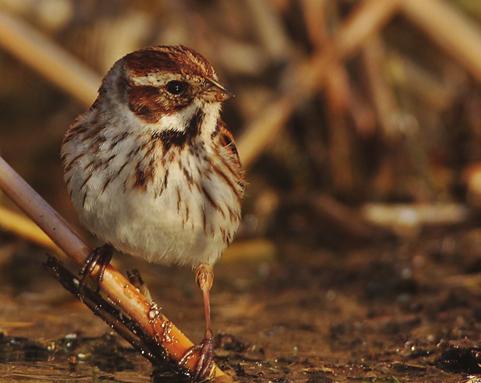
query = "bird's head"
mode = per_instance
[{"x": 167, "y": 86}]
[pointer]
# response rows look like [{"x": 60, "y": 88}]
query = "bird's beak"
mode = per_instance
[{"x": 216, "y": 92}]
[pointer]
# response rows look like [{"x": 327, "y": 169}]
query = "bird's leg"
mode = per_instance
[
  {"x": 100, "y": 256},
  {"x": 204, "y": 276}
]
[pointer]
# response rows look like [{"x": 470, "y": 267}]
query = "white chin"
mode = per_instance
[
  {"x": 211, "y": 115},
  {"x": 177, "y": 121}
]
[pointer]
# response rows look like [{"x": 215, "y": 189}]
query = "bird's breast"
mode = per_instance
[{"x": 180, "y": 205}]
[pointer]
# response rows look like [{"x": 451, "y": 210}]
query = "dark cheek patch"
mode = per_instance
[{"x": 147, "y": 103}]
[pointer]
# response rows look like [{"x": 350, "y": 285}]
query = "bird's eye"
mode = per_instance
[{"x": 176, "y": 87}]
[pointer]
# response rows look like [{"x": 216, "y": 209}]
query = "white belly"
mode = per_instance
[{"x": 171, "y": 223}]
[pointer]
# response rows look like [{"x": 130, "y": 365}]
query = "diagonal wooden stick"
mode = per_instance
[{"x": 162, "y": 331}]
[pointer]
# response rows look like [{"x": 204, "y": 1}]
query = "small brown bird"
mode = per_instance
[{"x": 153, "y": 171}]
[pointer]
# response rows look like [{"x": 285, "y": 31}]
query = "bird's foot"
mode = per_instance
[
  {"x": 205, "y": 364},
  {"x": 100, "y": 256}
]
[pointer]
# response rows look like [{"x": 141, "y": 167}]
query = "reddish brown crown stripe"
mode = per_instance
[
  {"x": 175, "y": 59},
  {"x": 146, "y": 61}
]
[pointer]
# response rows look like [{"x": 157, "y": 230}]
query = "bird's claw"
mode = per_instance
[
  {"x": 100, "y": 256},
  {"x": 205, "y": 363}
]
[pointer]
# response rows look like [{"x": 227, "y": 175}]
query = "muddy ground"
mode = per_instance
[{"x": 392, "y": 311}]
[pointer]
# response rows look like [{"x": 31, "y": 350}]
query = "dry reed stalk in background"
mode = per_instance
[
  {"x": 309, "y": 77},
  {"x": 338, "y": 99},
  {"x": 455, "y": 33},
  {"x": 68, "y": 73},
  {"x": 269, "y": 29},
  {"x": 317, "y": 14},
  {"x": 341, "y": 165},
  {"x": 25, "y": 228},
  {"x": 161, "y": 330},
  {"x": 314, "y": 13},
  {"x": 374, "y": 57},
  {"x": 438, "y": 93},
  {"x": 47, "y": 58}
]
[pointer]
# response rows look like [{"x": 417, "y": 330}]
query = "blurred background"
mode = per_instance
[
  {"x": 359, "y": 125},
  {"x": 338, "y": 104}
]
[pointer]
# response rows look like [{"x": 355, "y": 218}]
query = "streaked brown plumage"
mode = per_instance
[{"x": 152, "y": 169}]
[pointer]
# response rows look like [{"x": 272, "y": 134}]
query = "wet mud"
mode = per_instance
[{"x": 395, "y": 311}]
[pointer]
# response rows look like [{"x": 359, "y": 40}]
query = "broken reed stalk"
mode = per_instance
[
  {"x": 159, "y": 328},
  {"x": 309, "y": 76}
]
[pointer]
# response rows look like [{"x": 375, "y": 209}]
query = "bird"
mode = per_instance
[{"x": 153, "y": 171}]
